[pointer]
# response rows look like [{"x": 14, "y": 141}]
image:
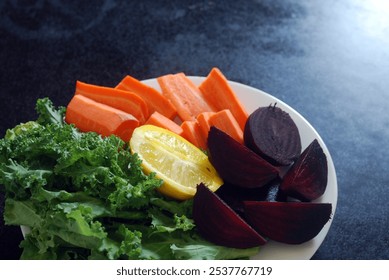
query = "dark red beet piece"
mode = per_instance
[
  {"x": 307, "y": 179},
  {"x": 272, "y": 133},
  {"x": 218, "y": 223},
  {"x": 236, "y": 163},
  {"x": 288, "y": 222}
]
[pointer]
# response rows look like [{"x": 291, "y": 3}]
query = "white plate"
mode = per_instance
[{"x": 252, "y": 99}]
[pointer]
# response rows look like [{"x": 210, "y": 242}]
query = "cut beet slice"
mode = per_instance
[
  {"x": 218, "y": 223},
  {"x": 236, "y": 163},
  {"x": 288, "y": 222},
  {"x": 273, "y": 134},
  {"x": 307, "y": 179}
]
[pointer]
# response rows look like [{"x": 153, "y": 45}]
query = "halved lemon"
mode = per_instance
[{"x": 180, "y": 164}]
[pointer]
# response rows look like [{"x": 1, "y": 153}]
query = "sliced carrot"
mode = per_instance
[
  {"x": 89, "y": 115},
  {"x": 225, "y": 121},
  {"x": 120, "y": 99},
  {"x": 160, "y": 120},
  {"x": 184, "y": 95},
  {"x": 219, "y": 94},
  {"x": 203, "y": 120},
  {"x": 191, "y": 132},
  {"x": 154, "y": 99}
]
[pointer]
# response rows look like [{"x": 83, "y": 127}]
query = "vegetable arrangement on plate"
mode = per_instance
[{"x": 133, "y": 173}]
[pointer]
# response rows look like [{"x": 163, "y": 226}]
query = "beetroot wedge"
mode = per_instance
[
  {"x": 218, "y": 223},
  {"x": 306, "y": 180},
  {"x": 272, "y": 133},
  {"x": 288, "y": 222},
  {"x": 236, "y": 163}
]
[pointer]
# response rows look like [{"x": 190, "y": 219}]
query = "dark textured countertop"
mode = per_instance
[{"x": 327, "y": 59}]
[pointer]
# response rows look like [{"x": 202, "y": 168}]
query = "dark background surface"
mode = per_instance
[{"x": 327, "y": 59}]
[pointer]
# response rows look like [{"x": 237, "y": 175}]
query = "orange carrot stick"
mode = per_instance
[
  {"x": 184, "y": 95},
  {"x": 219, "y": 94},
  {"x": 225, "y": 121},
  {"x": 191, "y": 132},
  {"x": 204, "y": 122},
  {"x": 160, "y": 120},
  {"x": 154, "y": 99},
  {"x": 119, "y": 99},
  {"x": 89, "y": 115}
]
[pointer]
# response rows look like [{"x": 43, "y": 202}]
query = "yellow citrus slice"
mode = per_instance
[{"x": 180, "y": 164}]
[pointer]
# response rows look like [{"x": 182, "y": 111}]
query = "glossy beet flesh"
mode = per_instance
[
  {"x": 271, "y": 132},
  {"x": 306, "y": 180},
  {"x": 218, "y": 223},
  {"x": 236, "y": 163},
  {"x": 288, "y": 222}
]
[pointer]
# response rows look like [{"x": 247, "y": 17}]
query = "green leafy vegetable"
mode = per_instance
[{"x": 85, "y": 197}]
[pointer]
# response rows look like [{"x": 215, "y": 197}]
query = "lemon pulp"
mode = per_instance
[{"x": 180, "y": 164}]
